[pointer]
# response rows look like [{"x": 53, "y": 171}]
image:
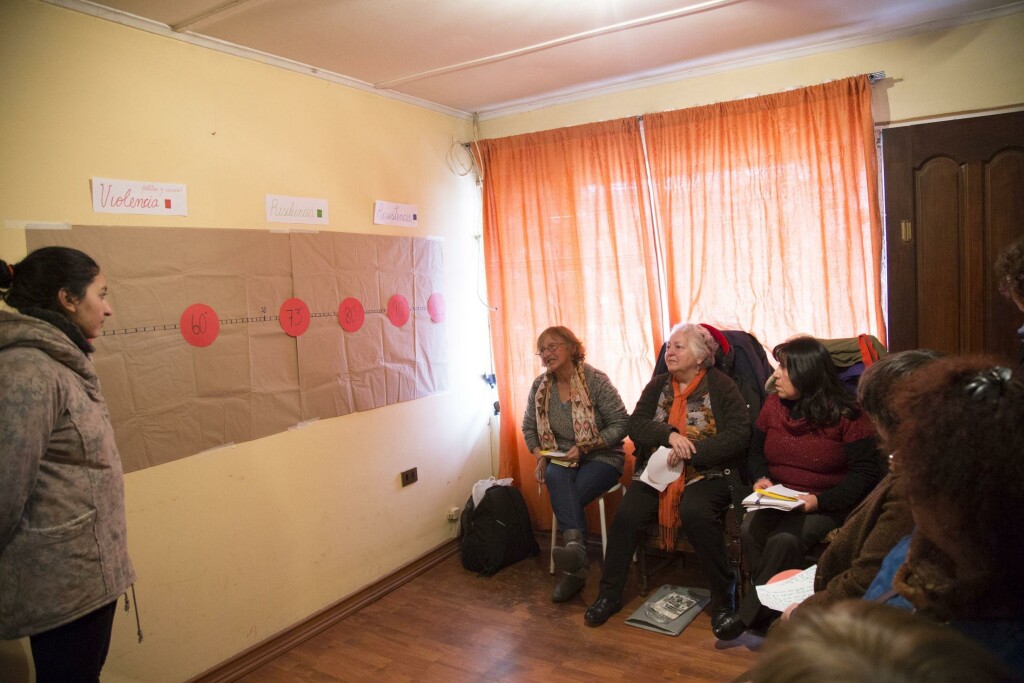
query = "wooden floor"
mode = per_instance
[{"x": 450, "y": 625}]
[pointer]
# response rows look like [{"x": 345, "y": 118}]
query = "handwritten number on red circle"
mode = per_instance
[
  {"x": 398, "y": 310},
  {"x": 294, "y": 317},
  {"x": 199, "y": 325},
  {"x": 436, "y": 307},
  {"x": 351, "y": 315}
]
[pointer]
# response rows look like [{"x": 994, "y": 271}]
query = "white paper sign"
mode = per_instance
[
  {"x": 139, "y": 197},
  {"x": 281, "y": 209},
  {"x": 389, "y": 213}
]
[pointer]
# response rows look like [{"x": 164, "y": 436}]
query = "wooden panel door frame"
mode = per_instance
[
  {"x": 903, "y": 150},
  {"x": 901, "y": 259}
]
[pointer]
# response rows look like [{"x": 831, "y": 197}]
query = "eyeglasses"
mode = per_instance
[{"x": 550, "y": 348}]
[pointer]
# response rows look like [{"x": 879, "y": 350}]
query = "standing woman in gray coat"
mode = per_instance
[{"x": 63, "y": 547}]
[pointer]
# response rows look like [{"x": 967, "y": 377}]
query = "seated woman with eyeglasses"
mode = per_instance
[
  {"x": 574, "y": 425},
  {"x": 810, "y": 436}
]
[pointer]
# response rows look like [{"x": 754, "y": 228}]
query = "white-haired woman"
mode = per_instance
[{"x": 698, "y": 412}]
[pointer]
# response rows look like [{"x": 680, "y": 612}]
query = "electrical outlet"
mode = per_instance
[
  {"x": 409, "y": 477},
  {"x": 453, "y": 514}
]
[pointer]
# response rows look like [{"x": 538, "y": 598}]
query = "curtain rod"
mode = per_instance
[{"x": 873, "y": 77}]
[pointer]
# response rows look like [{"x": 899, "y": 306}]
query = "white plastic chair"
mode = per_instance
[{"x": 604, "y": 525}]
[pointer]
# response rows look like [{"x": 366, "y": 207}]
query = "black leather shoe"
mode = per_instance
[
  {"x": 567, "y": 588},
  {"x": 718, "y": 616},
  {"x": 729, "y": 627},
  {"x": 601, "y": 611}
]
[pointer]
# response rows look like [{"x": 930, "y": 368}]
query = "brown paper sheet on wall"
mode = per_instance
[{"x": 169, "y": 400}]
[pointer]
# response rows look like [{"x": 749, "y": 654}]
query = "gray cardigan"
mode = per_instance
[{"x": 609, "y": 413}]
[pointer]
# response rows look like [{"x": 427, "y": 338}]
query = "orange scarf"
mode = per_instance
[{"x": 668, "y": 502}]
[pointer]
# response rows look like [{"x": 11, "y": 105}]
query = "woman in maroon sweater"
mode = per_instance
[{"x": 810, "y": 436}]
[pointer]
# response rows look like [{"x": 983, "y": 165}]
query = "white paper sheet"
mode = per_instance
[
  {"x": 658, "y": 475},
  {"x": 782, "y": 594}
]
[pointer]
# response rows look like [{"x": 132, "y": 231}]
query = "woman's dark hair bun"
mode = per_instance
[{"x": 44, "y": 273}]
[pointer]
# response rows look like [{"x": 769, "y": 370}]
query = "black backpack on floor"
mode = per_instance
[{"x": 497, "y": 533}]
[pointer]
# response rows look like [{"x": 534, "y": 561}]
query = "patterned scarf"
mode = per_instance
[
  {"x": 673, "y": 409},
  {"x": 584, "y": 423}
]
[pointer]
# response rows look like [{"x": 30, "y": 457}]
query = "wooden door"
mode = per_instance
[{"x": 954, "y": 197}]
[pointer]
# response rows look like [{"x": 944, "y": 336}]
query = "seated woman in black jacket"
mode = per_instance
[
  {"x": 810, "y": 436},
  {"x": 698, "y": 412}
]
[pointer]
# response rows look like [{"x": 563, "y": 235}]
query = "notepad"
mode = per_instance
[
  {"x": 556, "y": 458},
  {"x": 776, "y": 497}
]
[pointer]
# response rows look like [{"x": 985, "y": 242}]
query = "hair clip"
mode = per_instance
[{"x": 988, "y": 385}]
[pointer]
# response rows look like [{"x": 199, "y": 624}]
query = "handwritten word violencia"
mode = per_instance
[{"x": 126, "y": 199}]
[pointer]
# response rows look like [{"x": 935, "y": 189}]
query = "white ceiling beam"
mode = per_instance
[
  {"x": 697, "y": 8},
  {"x": 208, "y": 14}
]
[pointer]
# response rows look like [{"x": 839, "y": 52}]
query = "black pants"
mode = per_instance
[
  {"x": 774, "y": 541},
  {"x": 700, "y": 512},
  {"x": 74, "y": 652}
]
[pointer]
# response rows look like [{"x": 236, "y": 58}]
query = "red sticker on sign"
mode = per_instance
[
  {"x": 435, "y": 307},
  {"x": 398, "y": 310},
  {"x": 199, "y": 325},
  {"x": 351, "y": 315},
  {"x": 294, "y": 317}
]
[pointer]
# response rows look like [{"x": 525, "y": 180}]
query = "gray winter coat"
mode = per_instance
[{"x": 63, "y": 548}]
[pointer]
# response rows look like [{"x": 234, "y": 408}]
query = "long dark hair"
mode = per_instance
[
  {"x": 823, "y": 398},
  {"x": 39, "y": 278}
]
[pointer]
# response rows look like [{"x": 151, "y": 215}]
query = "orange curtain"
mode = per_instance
[
  {"x": 768, "y": 212},
  {"x": 567, "y": 241}
]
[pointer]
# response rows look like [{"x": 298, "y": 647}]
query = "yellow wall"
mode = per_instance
[
  {"x": 232, "y": 546},
  {"x": 972, "y": 68}
]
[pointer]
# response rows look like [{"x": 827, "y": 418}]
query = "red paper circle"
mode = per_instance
[
  {"x": 398, "y": 310},
  {"x": 294, "y": 317},
  {"x": 199, "y": 325},
  {"x": 435, "y": 307},
  {"x": 351, "y": 315},
  {"x": 783, "y": 575}
]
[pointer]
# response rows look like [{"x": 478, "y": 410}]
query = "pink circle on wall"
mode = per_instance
[
  {"x": 351, "y": 315},
  {"x": 398, "y": 310},
  {"x": 436, "y": 307},
  {"x": 294, "y": 317},
  {"x": 199, "y": 325}
]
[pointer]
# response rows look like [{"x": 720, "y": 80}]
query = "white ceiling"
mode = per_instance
[{"x": 494, "y": 57}]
